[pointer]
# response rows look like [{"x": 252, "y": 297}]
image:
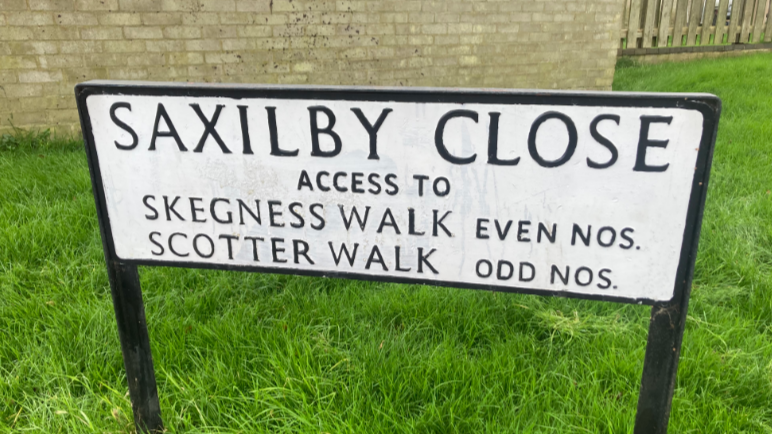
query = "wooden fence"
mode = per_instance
[{"x": 688, "y": 23}]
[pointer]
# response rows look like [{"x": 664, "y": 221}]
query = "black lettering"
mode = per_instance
[
  {"x": 194, "y": 210},
  {"x": 522, "y": 231},
  {"x": 354, "y": 213},
  {"x": 572, "y": 139},
  {"x": 502, "y": 234},
  {"x": 356, "y": 181},
  {"x": 171, "y": 248},
  {"x": 275, "y": 149},
  {"x": 521, "y": 273},
  {"x": 274, "y": 213},
  {"x": 337, "y": 175},
  {"x": 372, "y": 178},
  {"x": 170, "y": 208},
  {"x": 578, "y": 231},
  {"x": 493, "y": 143},
  {"x": 389, "y": 180},
  {"x": 161, "y": 113},
  {"x": 154, "y": 216},
  {"x": 123, "y": 126},
  {"x": 603, "y": 230},
  {"x": 500, "y": 270},
  {"x": 243, "y": 207},
  {"x": 424, "y": 259},
  {"x": 304, "y": 181},
  {"x": 209, "y": 130},
  {"x": 623, "y": 235},
  {"x": 396, "y": 255},
  {"x": 421, "y": 179},
  {"x": 275, "y": 250},
  {"x": 604, "y": 278},
  {"x": 437, "y": 223},
  {"x": 444, "y": 191},
  {"x": 644, "y": 142},
  {"x": 603, "y": 141},
  {"x": 211, "y": 245},
  {"x": 373, "y": 253},
  {"x": 229, "y": 239},
  {"x": 319, "y": 226},
  {"x": 550, "y": 235},
  {"x": 316, "y": 151},
  {"x": 156, "y": 243},
  {"x": 578, "y": 280},
  {"x": 254, "y": 246},
  {"x": 563, "y": 278},
  {"x": 481, "y": 228},
  {"x": 319, "y": 181},
  {"x": 301, "y": 222},
  {"x": 391, "y": 222},
  {"x": 212, "y": 210},
  {"x": 480, "y": 273},
  {"x": 300, "y": 248},
  {"x": 246, "y": 144},
  {"x": 440, "y": 131},
  {"x": 343, "y": 250},
  {"x": 372, "y": 130},
  {"x": 411, "y": 223}
]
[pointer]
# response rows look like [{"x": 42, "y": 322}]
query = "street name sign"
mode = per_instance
[{"x": 589, "y": 195}]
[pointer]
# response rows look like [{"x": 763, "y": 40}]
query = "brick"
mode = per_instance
[
  {"x": 39, "y": 77},
  {"x": 146, "y": 59},
  {"x": 143, "y": 32},
  {"x": 105, "y": 59},
  {"x": 61, "y": 61},
  {"x": 45, "y": 33},
  {"x": 161, "y": 18},
  {"x": 202, "y": 45},
  {"x": 7, "y": 77},
  {"x": 165, "y": 46},
  {"x": 33, "y": 47},
  {"x": 17, "y": 62},
  {"x": 22, "y": 90},
  {"x": 15, "y": 34},
  {"x": 124, "y": 46},
  {"x": 101, "y": 33},
  {"x": 51, "y": 5},
  {"x": 80, "y": 47},
  {"x": 13, "y": 5},
  {"x": 217, "y": 5},
  {"x": 140, "y": 5},
  {"x": 96, "y": 5},
  {"x": 76, "y": 19},
  {"x": 255, "y": 31},
  {"x": 119, "y": 19},
  {"x": 185, "y": 58},
  {"x": 182, "y": 32},
  {"x": 219, "y": 32},
  {"x": 253, "y": 6},
  {"x": 219, "y": 58},
  {"x": 30, "y": 19},
  {"x": 201, "y": 18},
  {"x": 180, "y": 5}
]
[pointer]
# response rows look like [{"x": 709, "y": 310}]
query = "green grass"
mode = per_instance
[{"x": 239, "y": 352}]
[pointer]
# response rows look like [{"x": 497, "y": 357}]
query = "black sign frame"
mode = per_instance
[{"x": 667, "y": 318}]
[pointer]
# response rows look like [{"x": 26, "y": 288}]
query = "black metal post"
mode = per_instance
[
  {"x": 135, "y": 345},
  {"x": 660, "y": 365}
]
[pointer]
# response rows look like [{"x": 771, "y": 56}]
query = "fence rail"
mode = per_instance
[{"x": 688, "y": 23}]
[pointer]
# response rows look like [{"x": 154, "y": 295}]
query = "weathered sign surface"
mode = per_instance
[{"x": 587, "y": 195}]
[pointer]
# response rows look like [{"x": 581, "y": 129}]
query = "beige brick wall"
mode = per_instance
[{"x": 47, "y": 46}]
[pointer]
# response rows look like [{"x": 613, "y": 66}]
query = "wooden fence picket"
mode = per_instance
[{"x": 677, "y": 23}]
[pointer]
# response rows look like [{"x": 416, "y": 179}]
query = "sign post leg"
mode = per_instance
[
  {"x": 135, "y": 345},
  {"x": 663, "y": 349}
]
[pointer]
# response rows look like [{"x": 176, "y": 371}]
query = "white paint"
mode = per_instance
[{"x": 653, "y": 204}]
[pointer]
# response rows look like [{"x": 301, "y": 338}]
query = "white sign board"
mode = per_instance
[{"x": 573, "y": 194}]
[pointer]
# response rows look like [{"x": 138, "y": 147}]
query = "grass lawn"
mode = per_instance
[{"x": 239, "y": 352}]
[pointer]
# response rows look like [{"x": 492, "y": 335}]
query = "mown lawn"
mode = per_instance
[{"x": 238, "y": 352}]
